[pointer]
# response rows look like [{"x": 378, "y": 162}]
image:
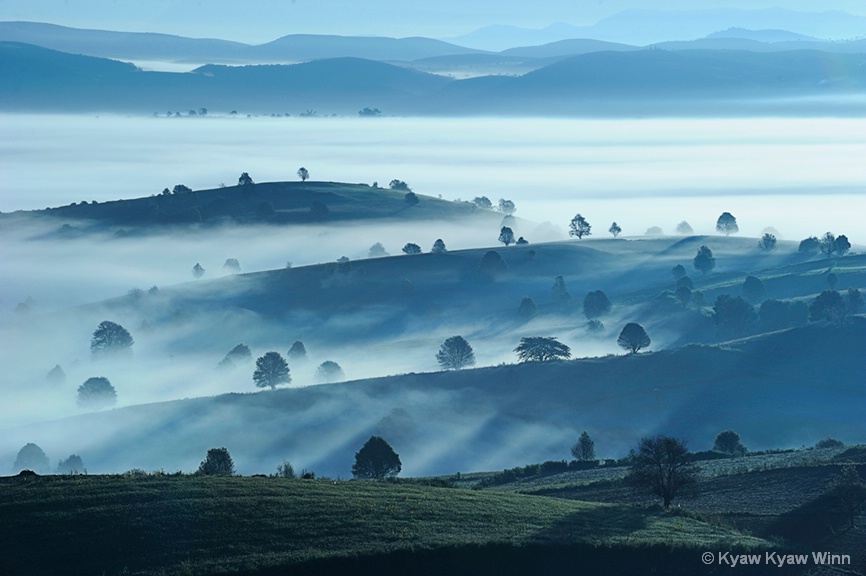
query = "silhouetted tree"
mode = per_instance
[
  {"x": 753, "y": 289},
  {"x": 238, "y": 354},
  {"x": 633, "y": 337},
  {"x": 438, "y": 247},
  {"x": 56, "y": 374},
  {"x": 369, "y": 112},
  {"x": 854, "y": 300},
  {"x": 72, "y": 465},
  {"x": 684, "y": 229},
  {"x": 245, "y": 180},
  {"x": 521, "y": 241},
  {"x": 662, "y": 466},
  {"x": 733, "y": 315},
  {"x": 410, "y": 198},
  {"x": 303, "y": 174},
  {"x": 506, "y": 235},
  {"x": 110, "y": 338},
  {"x": 96, "y": 393},
  {"x": 595, "y": 305},
  {"x": 704, "y": 260},
  {"x": 653, "y": 231},
  {"x": 399, "y": 185},
  {"x": 197, "y": 270},
  {"x": 767, "y": 242},
  {"x": 527, "y": 308},
  {"x": 377, "y": 251},
  {"x": 559, "y": 292},
  {"x": 684, "y": 295},
  {"x": 542, "y": 349},
  {"x": 232, "y": 265},
  {"x": 727, "y": 224},
  {"x": 181, "y": 189},
  {"x": 411, "y": 248},
  {"x": 218, "y": 462},
  {"x": 455, "y": 353},
  {"x": 728, "y": 442},
  {"x": 31, "y": 457},
  {"x": 271, "y": 371},
  {"x": 492, "y": 265},
  {"x": 507, "y": 206},
  {"x": 849, "y": 491},
  {"x": 285, "y": 470},
  {"x": 810, "y": 244},
  {"x": 678, "y": 271},
  {"x": 614, "y": 229},
  {"x": 841, "y": 246},
  {"x": 584, "y": 449},
  {"x": 298, "y": 351},
  {"x": 376, "y": 460},
  {"x": 685, "y": 282},
  {"x": 483, "y": 202},
  {"x": 329, "y": 371},
  {"x": 579, "y": 227}
]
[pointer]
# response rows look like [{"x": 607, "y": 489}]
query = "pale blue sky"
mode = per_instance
[{"x": 257, "y": 21}]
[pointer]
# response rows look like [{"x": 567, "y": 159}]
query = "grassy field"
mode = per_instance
[{"x": 209, "y": 525}]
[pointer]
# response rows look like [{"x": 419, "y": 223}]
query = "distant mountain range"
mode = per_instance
[{"x": 627, "y": 82}]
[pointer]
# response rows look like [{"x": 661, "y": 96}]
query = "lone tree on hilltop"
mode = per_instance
[
  {"x": 614, "y": 229},
  {"x": 542, "y": 349},
  {"x": 733, "y": 315},
  {"x": 704, "y": 260},
  {"x": 579, "y": 227},
  {"x": 727, "y": 224},
  {"x": 483, "y": 202},
  {"x": 377, "y": 251},
  {"x": 633, "y": 337},
  {"x": 376, "y": 460},
  {"x": 271, "y": 371},
  {"x": 767, "y": 242},
  {"x": 455, "y": 353},
  {"x": 728, "y": 442},
  {"x": 197, "y": 271},
  {"x": 72, "y": 465},
  {"x": 411, "y": 248},
  {"x": 96, "y": 393},
  {"x": 438, "y": 247},
  {"x": 245, "y": 180},
  {"x": 584, "y": 449},
  {"x": 232, "y": 266},
  {"x": 507, "y": 206},
  {"x": 298, "y": 351},
  {"x": 303, "y": 174},
  {"x": 181, "y": 189},
  {"x": 399, "y": 185},
  {"x": 595, "y": 305},
  {"x": 662, "y": 466},
  {"x": 329, "y": 371},
  {"x": 684, "y": 228},
  {"x": 31, "y": 457},
  {"x": 218, "y": 462},
  {"x": 110, "y": 338},
  {"x": 841, "y": 246},
  {"x": 506, "y": 235}
]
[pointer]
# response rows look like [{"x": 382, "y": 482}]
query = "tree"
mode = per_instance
[
  {"x": 841, "y": 245},
  {"x": 849, "y": 491},
  {"x": 285, "y": 470},
  {"x": 438, "y": 247},
  {"x": 542, "y": 349},
  {"x": 728, "y": 442},
  {"x": 685, "y": 282},
  {"x": 492, "y": 265},
  {"x": 232, "y": 265},
  {"x": 376, "y": 460},
  {"x": 527, "y": 308},
  {"x": 810, "y": 244},
  {"x": 181, "y": 189},
  {"x": 579, "y": 227},
  {"x": 96, "y": 393},
  {"x": 684, "y": 295},
  {"x": 31, "y": 457},
  {"x": 455, "y": 353},
  {"x": 271, "y": 371},
  {"x": 218, "y": 462},
  {"x": 377, "y": 251},
  {"x": 633, "y": 337},
  {"x": 654, "y": 231},
  {"x": 245, "y": 180},
  {"x": 727, "y": 224},
  {"x": 733, "y": 315},
  {"x": 399, "y": 185},
  {"x": 238, "y": 354},
  {"x": 559, "y": 292},
  {"x": 614, "y": 229},
  {"x": 684, "y": 229},
  {"x": 595, "y": 304},
  {"x": 506, "y": 235},
  {"x": 110, "y": 338},
  {"x": 483, "y": 202},
  {"x": 521, "y": 241},
  {"x": 663, "y": 467},
  {"x": 853, "y": 300},
  {"x": 704, "y": 260},
  {"x": 678, "y": 271},
  {"x": 827, "y": 244},
  {"x": 411, "y": 248},
  {"x": 72, "y": 465},
  {"x": 410, "y": 198},
  {"x": 831, "y": 306},
  {"x": 303, "y": 174},
  {"x": 56, "y": 374},
  {"x": 298, "y": 351},
  {"x": 767, "y": 242},
  {"x": 329, "y": 371},
  {"x": 506, "y": 206},
  {"x": 369, "y": 112},
  {"x": 584, "y": 449},
  {"x": 753, "y": 289},
  {"x": 197, "y": 271}
]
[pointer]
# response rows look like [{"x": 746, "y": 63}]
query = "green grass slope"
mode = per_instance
[{"x": 206, "y": 525}]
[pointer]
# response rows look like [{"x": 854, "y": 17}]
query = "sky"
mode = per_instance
[{"x": 258, "y": 21}]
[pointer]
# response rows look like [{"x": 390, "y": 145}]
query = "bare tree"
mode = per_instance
[{"x": 662, "y": 466}]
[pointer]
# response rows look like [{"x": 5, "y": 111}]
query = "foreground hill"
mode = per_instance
[{"x": 207, "y": 525}]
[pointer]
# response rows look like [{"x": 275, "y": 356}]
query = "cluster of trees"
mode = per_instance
[{"x": 272, "y": 369}]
